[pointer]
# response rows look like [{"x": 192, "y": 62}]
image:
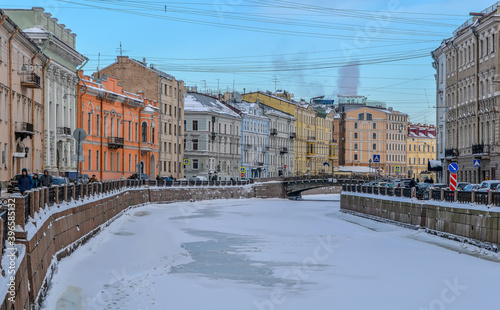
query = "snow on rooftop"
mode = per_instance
[{"x": 201, "y": 103}]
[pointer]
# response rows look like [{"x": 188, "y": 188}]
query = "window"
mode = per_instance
[
  {"x": 97, "y": 161},
  {"x": 355, "y": 125},
  {"x": 374, "y": 146},
  {"x": 89, "y": 121},
  {"x": 355, "y": 156},
  {"x": 105, "y": 160},
  {"x": 112, "y": 167},
  {"x": 105, "y": 126},
  {"x": 117, "y": 161},
  {"x": 369, "y": 117},
  {"x": 130, "y": 130},
  {"x": 136, "y": 132},
  {"x": 409, "y": 147},
  {"x": 98, "y": 125},
  {"x": 355, "y": 135},
  {"x": 152, "y": 133},
  {"x": 144, "y": 132},
  {"x": 130, "y": 162},
  {"x": 361, "y": 117},
  {"x": 374, "y": 125},
  {"x": 195, "y": 144},
  {"x": 90, "y": 160},
  {"x": 195, "y": 125},
  {"x": 355, "y": 146},
  {"x": 374, "y": 136},
  {"x": 195, "y": 164}
]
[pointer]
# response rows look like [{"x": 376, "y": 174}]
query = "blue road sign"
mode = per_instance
[
  {"x": 476, "y": 163},
  {"x": 453, "y": 167},
  {"x": 376, "y": 158}
]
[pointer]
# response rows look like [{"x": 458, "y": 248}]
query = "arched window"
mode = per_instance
[{"x": 144, "y": 132}]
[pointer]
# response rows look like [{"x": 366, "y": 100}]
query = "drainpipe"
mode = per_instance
[
  {"x": 78, "y": 164},
  {"x": 178, "y": 128},
  {"x": 11, "y": 97},
  {"x": 43, "y": 112},
  {"x": 456, "y": 94},
  {"x": 160, "y": 128},
  {"x": 476, "y": 89}
]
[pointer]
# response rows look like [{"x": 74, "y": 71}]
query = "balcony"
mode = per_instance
[
  {"x": 247, "y": 147},
  {"x": 259, "y": 164},
  {"x": 478, "y": 149},
  {"x": 23, "y": 130},
  {"x": 64, "y": 131},
  {"x": 274, "y": 132},
  {"x": 115, "y": 142},
  {"x": 311, "y": 138},
  {"x": 146, "y": 147},
  {"x": 451, "y": 153},
  {"x": 293, "y": 135},
  {"x": 283, "y": 150},
  {"x": 31, "y": 80}
]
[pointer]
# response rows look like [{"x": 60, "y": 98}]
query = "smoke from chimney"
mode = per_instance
[{"x": 348, "y": 81}]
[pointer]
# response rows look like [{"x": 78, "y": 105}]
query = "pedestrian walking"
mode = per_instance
[
  {"x": 25, "y": 182},
  {"x": 46, "y": 179}
]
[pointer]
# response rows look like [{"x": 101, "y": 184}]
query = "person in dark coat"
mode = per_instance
[
  {"x": 413, "y": 183},
  {"x": 46, "y": 179},
  {"x": 36, "y": 181},
  {"x": 25, "y": 183}
]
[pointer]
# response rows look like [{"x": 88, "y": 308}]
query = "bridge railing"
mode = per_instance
[{"x": 476, "y": 197}]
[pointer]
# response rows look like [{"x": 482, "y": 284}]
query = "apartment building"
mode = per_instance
[
  {"x": 421, "y": 148},
  {"x": 60, "y": 80},
  {"x": 121, "y": 129},
  {"x": 469, "y": 94},
  {"x": 136, "y": 76},
  {"x": 22, "y": 67},
  {"x": 212, "y": 138}
]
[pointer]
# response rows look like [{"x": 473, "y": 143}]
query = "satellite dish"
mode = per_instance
[{"x": 237, "y": 96}]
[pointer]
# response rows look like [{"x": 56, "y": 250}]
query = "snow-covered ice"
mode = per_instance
[{"x": 269, "y": 254}]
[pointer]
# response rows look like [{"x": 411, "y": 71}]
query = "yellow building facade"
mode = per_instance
[
  {"x": 314, "y": 143},
  {"x": 421, "y": 146}
]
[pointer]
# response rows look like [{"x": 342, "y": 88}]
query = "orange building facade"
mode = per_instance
[{"x": 121, "y": 130}]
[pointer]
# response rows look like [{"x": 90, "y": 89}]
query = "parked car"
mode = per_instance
[
  {"x": 423, "y": 190},
  {"x": 137, "y": 176},
  {"x": 438, "y": 186},
  {"x": 471, "y": 187},
  {"x": 405, "y": 183},
  {"x": 461, "y": 185},
  {"x": 60, "y": 181},
  {"x": 489, "y": 185},
  {"x": 198, "y": 178}
]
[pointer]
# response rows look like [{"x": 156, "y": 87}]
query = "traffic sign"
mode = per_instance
[
  {"x": 284, "y": 166},
  {"x": 453, "y": 182},
  {"x": 79, "y": 134},
  {"x": 397, "y": 168},
  {"x": 243, "y": 170},
  {"x": 75, "y": 157},
  {"x": 376, "y": 158},
  {"x": 476, "y": 163},
  {"x": 453, "y": 167},
  {"x": 186, "y": 162},
  {"x": 242, "y": 174}
]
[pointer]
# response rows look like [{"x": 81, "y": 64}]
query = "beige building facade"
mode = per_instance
[
  {"x": 471, "y": 100},
  {"x": 369, "y": 133},
  {"x": 136, "y": 76},
  {"x": 21, "y": 101}
]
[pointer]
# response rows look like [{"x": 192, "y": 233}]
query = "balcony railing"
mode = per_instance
[
  {"x": 31, "y": 80},
  {"x": 451, "y": 153},
  {"x": 116, "y": 142},
  {"x": 248, "y": 147},
  {"x": 259, "y": 164},
  {"x": 284, "y": 150},
  {"x": 479, "y": 149},
  {"x": 293, "y": 135},
  {"x": 274, "y": 132},
  {"x": 23, "y": 130},
  {"x": 64, "y": 131}
]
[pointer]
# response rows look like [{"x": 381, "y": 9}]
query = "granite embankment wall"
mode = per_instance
[
  {"x": 69, "y": 225},
  {"x": 475, "y": 224}
]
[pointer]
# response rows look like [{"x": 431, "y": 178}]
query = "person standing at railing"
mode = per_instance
[
  {"x": 25, "y": 183},
  {"x": 46, "y": 179},
  {"x": 36, "y": 181},
  {"x": 93, "y": 179}
]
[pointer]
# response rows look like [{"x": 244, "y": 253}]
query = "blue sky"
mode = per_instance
[{"x": 295, "y": 45}]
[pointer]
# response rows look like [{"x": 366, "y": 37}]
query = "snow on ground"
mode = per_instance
[{"x": 269, "y": 254}]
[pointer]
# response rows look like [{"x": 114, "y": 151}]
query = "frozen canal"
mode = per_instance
[{"x": 270, "y": 254}]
